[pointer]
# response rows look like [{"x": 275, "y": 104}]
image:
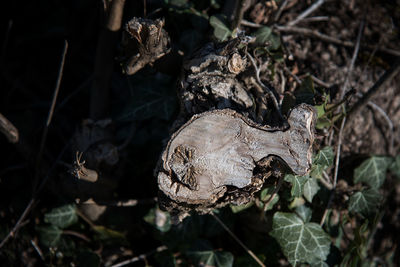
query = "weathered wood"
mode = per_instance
[
  {"x": 217, "y": 151},
  {"x": 144, "y": 41}
]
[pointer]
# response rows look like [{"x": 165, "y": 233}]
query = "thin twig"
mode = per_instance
[
  {"x": 9, "y": 130},
  {"x": 266, "y": 88},
  {"x": 326, "y": 181},
  {"x": 280, "y": 10},
  {"x": 320, "y": 82},
  {"x": 343, "y": 90},
  {"x": 37, "y": 189},
  {"x": 18, "y": 224},
  {"x": 389, "y": 123},
  {"x": 250, "y": 24},
  {"x": 335, "y": 176},
  {"x": 140, "y": 257},
  {"x": 306, "y": 12},
  {"x": 124, "y": 203},
  {"x": 294, "y": 76},
  {"x": 278, "y": 186},
  {"x": 238, "y": 240},
  {"x": 329, "y": 39},
  {"x": 37, "y": 249},
  {"x": 33, "y": 200},
  {"x": 379, "y": 85},
  {"x": 76, "y": 234},
  {"x": 50, "y": 114},
  {"x": 316, "y": 19}
]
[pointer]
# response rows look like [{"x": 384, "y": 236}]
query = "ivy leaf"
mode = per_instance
[
  {"x": 264, "y": 35},
  {"x": 62, "y": 217},
  {"x": 153, "y": 97},
  {"x": 395, "y": 166},
  {"x": 317, "y": 170},
  {"x": 310, "y": 188},
  {"x": 211, "y": 258},
  {"x": 50, "y": 235},
  {"x": 297, "y": 184},
  {"x": 324, "y": 157},
  {"x": 319, "y": 263},
  {"x": 159, "y": 219},
  {"x": 105, "y": 233},
  {"x": 221, "y": 31},
  {"x": 265, "y": 196},
  {"x": 300, "y": 241},
  {"x": 239, "y": 208},
  {"x": 365, "y": 202},
  {"x": 304, "y": 212},
  {"x": 372, "y": 171}
]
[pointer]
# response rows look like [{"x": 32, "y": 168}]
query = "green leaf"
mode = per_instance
[
  {"x": 62, "y": 217},
  {"x": 221, "y": 31},
  {"x": 319, "y": 263},
  {"x": 105, "y": 233},
  {"x": 49, "y": 235},
  {"x": 395, "y": 166},
  {"x": 300, "y": 242},
  {"x": 324, "y": 157},
  {"x": 159, "y": 219},
  {"x": 211, "y": 258},
  {"x": 264, "y": 35},
  {"x": 310, "y": 188},
  {"x": 304, "y": 212},
  {"x": 239, "y": 208},
  {"x": 297, "y": 184},
  {"x": 372, "y": 171},
  {"x": 365, "y": 202},
  {"x": 265, "y": 196}
]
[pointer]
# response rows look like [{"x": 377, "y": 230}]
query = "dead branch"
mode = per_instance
[
  {"x": 50, "y": 115},
  {"x": 266, "y": 88},
  {"x": 103, "y": 67},
  {"x": 343, "y": 90},
  {"x": 9, "y": 130},
  {"x": 144, "y": 41},
  {"x": 389, "y": 123},
  {"x": 330, "y": 39},
  {"x": 306, "y": 12},
  {"x": 379, "y": 85}
]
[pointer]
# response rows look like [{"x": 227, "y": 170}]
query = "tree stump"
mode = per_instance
[{"x": 213, "y": 158}]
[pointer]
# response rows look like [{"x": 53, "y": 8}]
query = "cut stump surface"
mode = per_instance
[{"x": 217, "y": 151}]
